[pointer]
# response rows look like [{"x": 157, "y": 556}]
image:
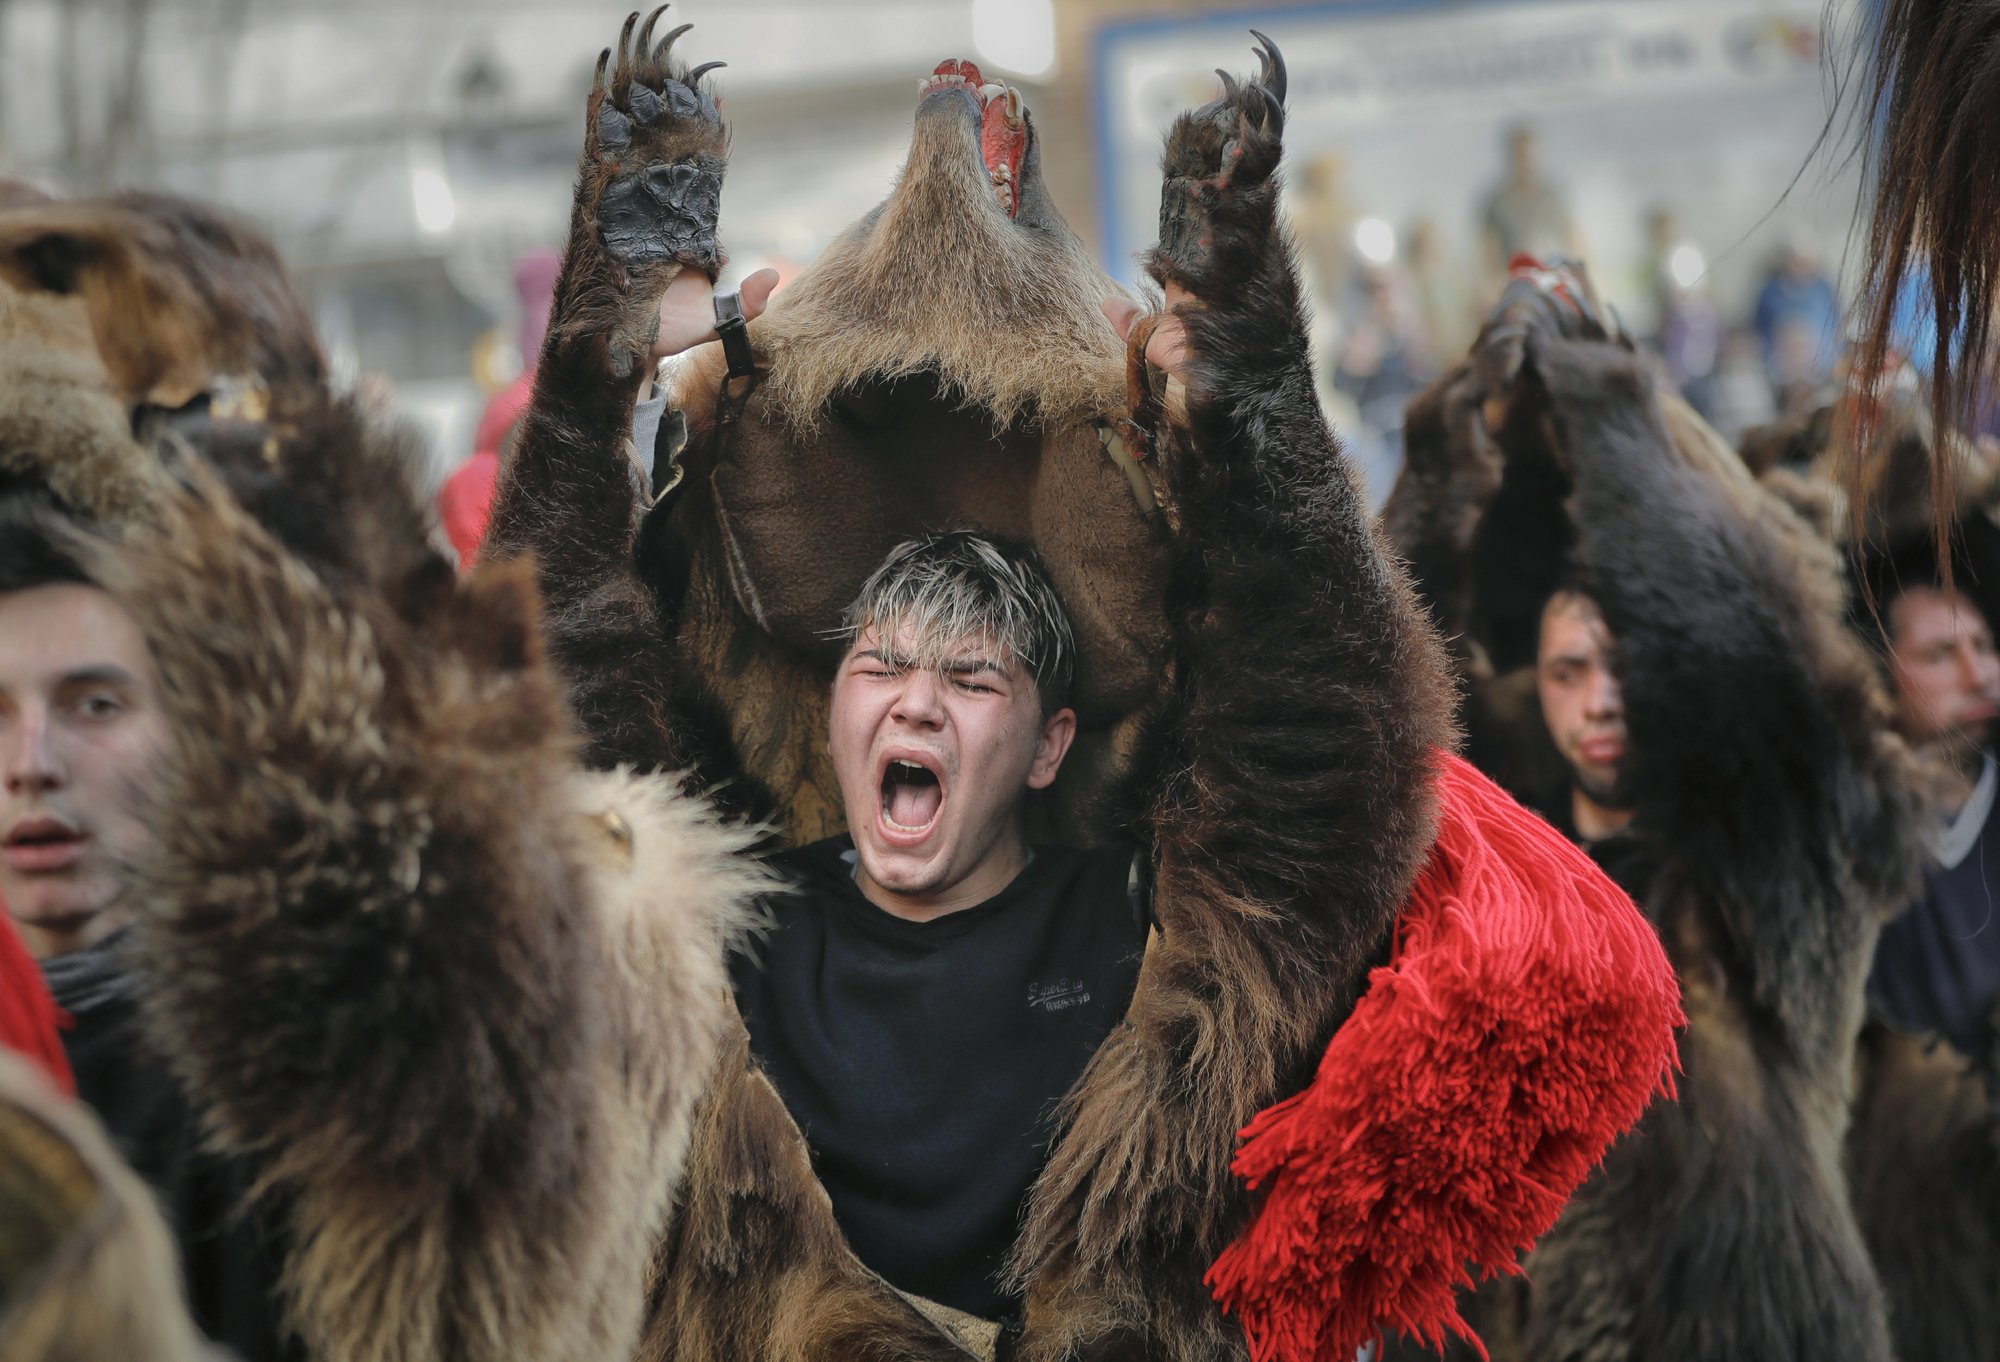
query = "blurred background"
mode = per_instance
[{"x": 413, "y": 159}]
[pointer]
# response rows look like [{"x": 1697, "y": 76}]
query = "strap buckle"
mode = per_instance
[{"x": 735, "y": 333}]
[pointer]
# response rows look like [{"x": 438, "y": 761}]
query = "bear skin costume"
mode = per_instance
[
  {"x": 1246, "y": 645},
  {"x": 1923, "y": 1154},
  {"x": 1776, "y": 822}
]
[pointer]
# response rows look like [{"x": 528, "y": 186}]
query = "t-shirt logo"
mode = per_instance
[{"x": 1058, "y": 995}]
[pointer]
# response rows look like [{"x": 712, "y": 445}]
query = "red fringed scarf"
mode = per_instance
[{"x": 1526, "y": 1021}]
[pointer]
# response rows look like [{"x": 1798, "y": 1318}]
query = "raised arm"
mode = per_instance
[
  {"x": 574, "y": 490},
  {"x": 1282, "y": 788},
  {"x": 1760, "y": 752},
  {"x": 407, "y": 956}
]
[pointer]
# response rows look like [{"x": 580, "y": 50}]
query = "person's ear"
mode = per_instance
[{"x": 1058, "y": 732}]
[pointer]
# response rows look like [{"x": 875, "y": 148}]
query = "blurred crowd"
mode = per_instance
[{"x": 1398, "y": 306}]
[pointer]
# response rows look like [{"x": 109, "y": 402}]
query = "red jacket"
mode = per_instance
[{"x": 466, "y": 499}]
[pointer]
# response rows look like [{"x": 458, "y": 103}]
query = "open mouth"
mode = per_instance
[
  {"x": 1003, "y": 125},
  {"x": 912, "y": 797}
]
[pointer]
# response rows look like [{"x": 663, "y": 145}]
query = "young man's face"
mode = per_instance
[
  {"x": 934, "y": 769},
  {"x": 80, "y": 728},
  {"x": 1946, "y": 672},
  {"x": 1581, "y": 702}
]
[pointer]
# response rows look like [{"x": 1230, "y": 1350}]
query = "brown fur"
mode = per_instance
[
  {"x": 1782, "y": 819},
  {"x": 1924, "y": 1159},
  {"x": 452, "y": 995},
  {"x": 137, "y": 313},
  {"x": 87, "y": 1269},
  {"x": 476, "y": 1148},
  {"x": 938, "y": 366},
  {"x": 938, "y": 371},
  {"x": 180, "y": 298},
  {"x": 1006, "y": 322}
]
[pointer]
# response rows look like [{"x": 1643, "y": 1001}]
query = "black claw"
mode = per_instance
[
  {"x": 667, "y": 43},
  {"x": 644, "y": 43},
  {"x": 1274, "y": 110},
  {"x": 1228, "y": 85},
  {"x": 695, "y": 75},
  {"x": 603, "y": 61},
  {"x": 1272, "y": 77},
  {"x": 625, "y": 40}
]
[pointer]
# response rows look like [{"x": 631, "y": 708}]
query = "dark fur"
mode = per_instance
[
  {"x": 568, "y": 492},
  {"x": 1268, "y": 925},
  {"x": 1924, "y": 1159},
  {"x": 1782, "y": 822},
  {"x": 1924, "y": 1151}
]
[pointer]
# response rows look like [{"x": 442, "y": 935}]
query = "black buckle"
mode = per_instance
[{"x": 735, "y": 333}]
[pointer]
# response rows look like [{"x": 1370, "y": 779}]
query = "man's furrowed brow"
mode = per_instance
[{"x": 971, "y": 666}]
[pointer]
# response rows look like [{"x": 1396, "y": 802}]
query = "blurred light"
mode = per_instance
[
  {"x": 1017, "y": 36},
  {"x": 1686, "y": 266},
  {"x": 1376, "y": 240},
  {"x": 430, "y": 191}
]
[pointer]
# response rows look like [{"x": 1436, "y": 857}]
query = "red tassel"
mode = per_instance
[{"x": 1526, "y": 1021}]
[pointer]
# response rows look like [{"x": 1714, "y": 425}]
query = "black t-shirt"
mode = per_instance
[{"x": 924, "y": 1060}]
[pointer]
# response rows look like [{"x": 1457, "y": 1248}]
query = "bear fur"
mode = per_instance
[
  {"x": 1777, "y": 809},
  {"x": 1189, "y": 572},
  {"x": 450, "y": 992}
]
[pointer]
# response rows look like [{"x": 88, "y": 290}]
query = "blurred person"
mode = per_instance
[
  {"x": 1525, "y": 214},
  {"x": 1449, "y": 317},
  {"x": 1938, "y": 965},
  {"x": 1652, "y": 272},
  {"x": 1380, "y": 362},
  {"x": 1690, "y": 342},
  {"x": 1323, "y": 216},
  {"x": 1798, "y": 320},
  {"x": 81, "y": 728},
  {"x": 1583, "y": 706}
]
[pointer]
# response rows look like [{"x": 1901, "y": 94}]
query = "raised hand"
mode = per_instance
[
  {"x": 651, "y": 179},
  {"x": 1218, "y": 195}
]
